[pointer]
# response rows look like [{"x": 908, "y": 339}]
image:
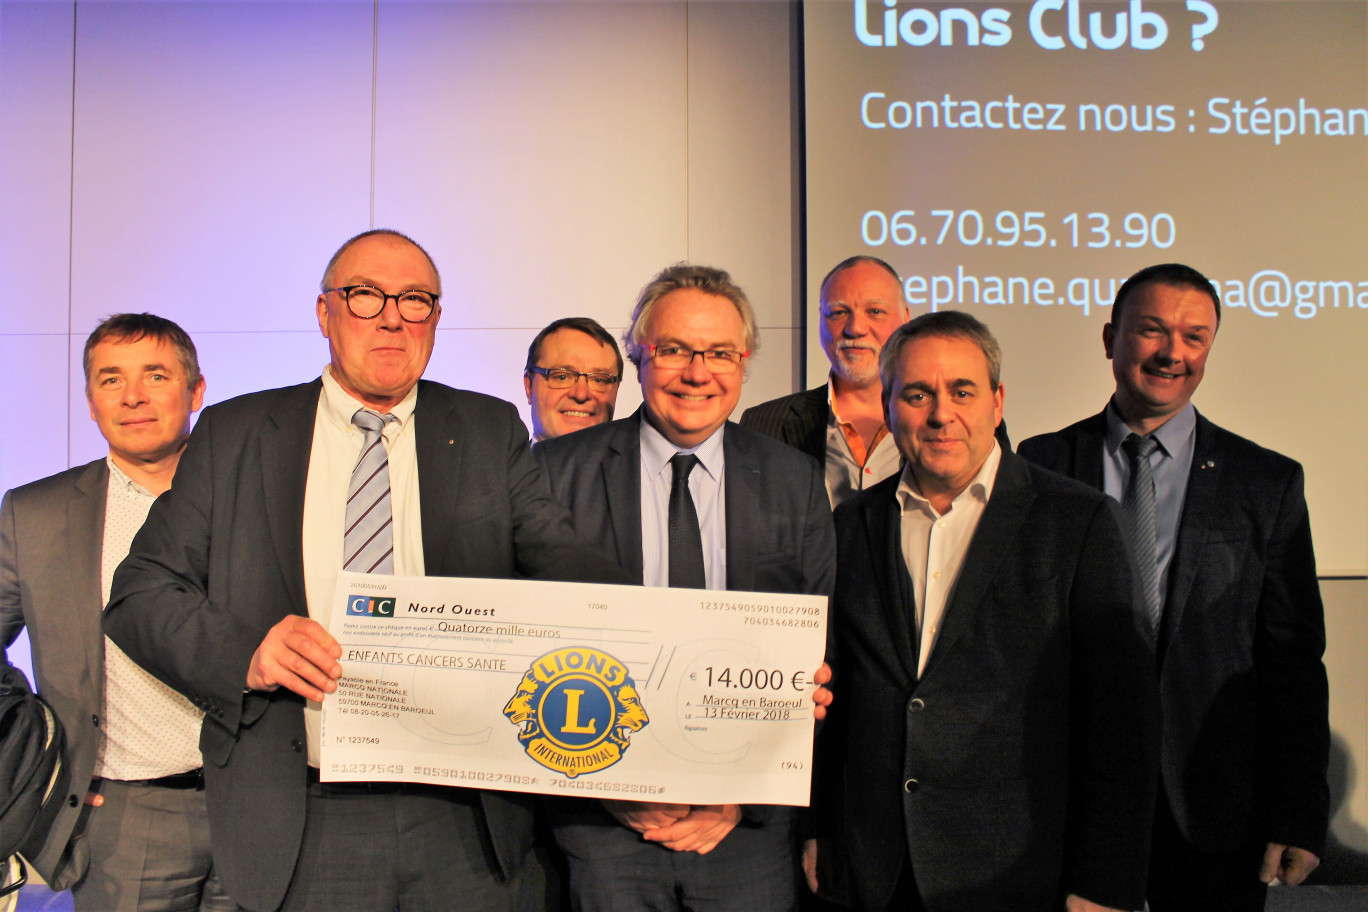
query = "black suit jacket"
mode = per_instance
[
  {"x": 1021, "y": 766},
  {"x": 220, "y": 561},
  {"x": 1242, "y": 685},
  {"x": 779, "y": 532},
  {"x": 800, "y": 420},
  {"x": 51, "y": 538}
]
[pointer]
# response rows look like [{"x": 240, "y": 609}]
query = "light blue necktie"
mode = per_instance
[{"x": 368, "y": 544}]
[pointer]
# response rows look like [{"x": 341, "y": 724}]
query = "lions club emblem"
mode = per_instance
[{"x": 576, "y": 708}]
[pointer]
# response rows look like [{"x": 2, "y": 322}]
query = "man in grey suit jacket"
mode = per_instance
[
  {"x": 760, "y": 515},
  {"x": 226, "y": 591},
  {"x": 1239, "y": 625},
  {"x": 993, "y": 741},
  {"x": 133, "y": 832}
]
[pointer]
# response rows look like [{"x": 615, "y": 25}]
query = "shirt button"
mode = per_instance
[
  {"x": 296, "y": 745},
  {"x": 936, "y": 574},
  {"x": 910, "y": 786},
  {"x": 917, "y": 705}
]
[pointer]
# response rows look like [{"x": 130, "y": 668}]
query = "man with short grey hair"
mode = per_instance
[
  {"x": 227, "y": 591},
  {"x": 840, "y": 423},
  {"x": 684, "y": 498}
]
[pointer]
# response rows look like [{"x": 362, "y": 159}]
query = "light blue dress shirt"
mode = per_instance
[{"x": 706, "y": 484}]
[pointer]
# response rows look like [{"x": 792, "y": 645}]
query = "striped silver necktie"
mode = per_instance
[
  {"x": 1138, "y": 506},
  {"x": 368, "y": 544}
]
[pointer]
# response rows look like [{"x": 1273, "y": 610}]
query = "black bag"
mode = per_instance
[{"x": 33, "y": 779}]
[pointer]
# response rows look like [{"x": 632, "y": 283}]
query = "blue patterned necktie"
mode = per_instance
[
  {"x": 368, "y": 544},
  {"x": 1138, "y": 506}
]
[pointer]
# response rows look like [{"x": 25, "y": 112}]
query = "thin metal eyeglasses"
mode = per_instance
[
  {"x": 366, "y": 302},
  {"x": 717, "y": 360},
  {"x": 564, "y": 378}
]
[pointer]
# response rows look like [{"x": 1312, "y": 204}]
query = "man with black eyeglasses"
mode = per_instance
[
  {"x": 684, "y": 498},
  {"x": 571, "y": 377},
  {"x": 227, "y": 590}
]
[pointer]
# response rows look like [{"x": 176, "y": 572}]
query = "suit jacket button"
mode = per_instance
[
  {"x": 95, "y": 721},
  {"x": 917, "y": 705},
  {"x": 296, "y": 745},
  {"x": 910, "y": 786},
  {"x": 73, "y": 801}
]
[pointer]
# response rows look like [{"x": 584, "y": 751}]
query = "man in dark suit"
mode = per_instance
[
  {"x": 993, "y": 741},
  {"x": 133, "y": 831},
  {"x": 226, "y": 593},
  {"x": 1221, "y": 526},
  {"x": 757, "y": 519},
  {"x": 571, "y": 377},
  {"x": 840, "y": 423}
]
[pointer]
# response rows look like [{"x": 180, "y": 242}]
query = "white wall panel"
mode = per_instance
[
  {"x": 35, "y": 165},
  {"x": 222, "y": 152},
  {"x": 741, "y": 191},
  {"x": 33, "y": 368},
  {"x": 538, "y": 150}
]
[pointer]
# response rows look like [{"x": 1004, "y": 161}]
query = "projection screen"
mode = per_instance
[{"x": 1019, "y": 160}]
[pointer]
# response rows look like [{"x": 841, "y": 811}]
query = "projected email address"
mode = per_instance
[{"x": 1266, "y": 293}]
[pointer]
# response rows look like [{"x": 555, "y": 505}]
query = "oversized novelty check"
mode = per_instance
[{"x": 682, "y": 695}]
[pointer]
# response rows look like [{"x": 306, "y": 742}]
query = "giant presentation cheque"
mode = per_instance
[{"x": 681, "y": 695}]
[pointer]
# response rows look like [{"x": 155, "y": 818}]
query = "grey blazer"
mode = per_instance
[{"x": 51, "y": 535}]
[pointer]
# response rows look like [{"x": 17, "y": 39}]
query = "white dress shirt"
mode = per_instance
[
  {"x": 149, "y": 729},
  {"x": 934, "y": 544},
  {"x": 707, "y": 484},
  {"x": 336, "y": 448}
]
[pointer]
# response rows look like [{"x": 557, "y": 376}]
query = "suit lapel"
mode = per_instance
[
  {"x": 285, "y": 446},
  {"x": 882, "y": 522},
  {"x": 621, "y": 477},
  {"x": 85, "y": 561},
  {"x": 743, "y": 477},
  {"x": 1087, "y": 453},
  {"x": 809, "y": 427},
  {"x": 440, "y": 450},
  {"x": 999, "y": 529},
  {"x": 1199, "y": 505}
]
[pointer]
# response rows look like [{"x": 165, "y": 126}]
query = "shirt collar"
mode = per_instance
[
  {"x": 656, "y": 451},
  {"x": 338, "y": 406},
  {"x": 1171, "y": 435},
  {"x": 980, "y": 486},
  {"x": 120, "y": 481}
]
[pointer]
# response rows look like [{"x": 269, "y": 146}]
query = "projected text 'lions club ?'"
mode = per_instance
[{"x": 683, "y": 695}]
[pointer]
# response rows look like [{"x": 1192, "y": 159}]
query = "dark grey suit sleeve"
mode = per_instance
[
  {"x": 11, "y": 603},
  {"x": 1289, "y": 642},
  {"x": 545, "y": 543},
  {"x": 160, "y": 612},
  {"x": 1115, "y": 742}
]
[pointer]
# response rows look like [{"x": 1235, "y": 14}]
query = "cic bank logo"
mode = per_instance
[
  {"x": 576, "y": 709},
  {"x": 370, "y": 606}
]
